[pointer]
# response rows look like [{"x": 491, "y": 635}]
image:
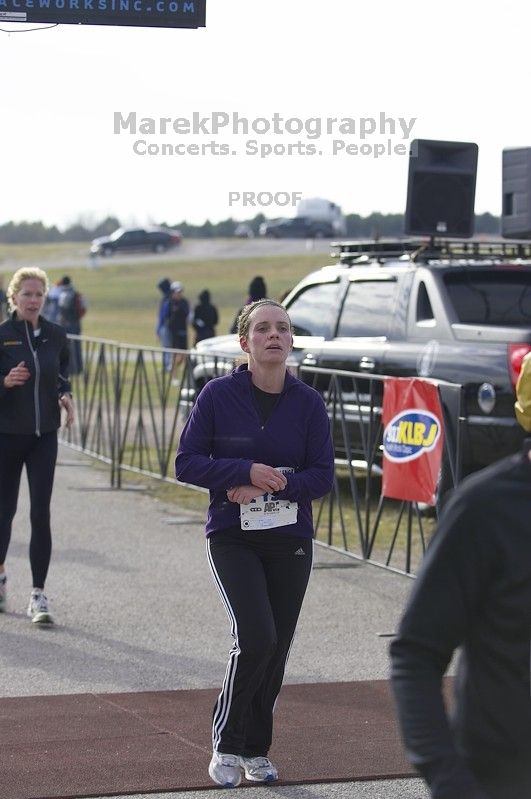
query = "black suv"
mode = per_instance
[
  {"x": 300, "y": 227},
  {"x": 154, "y": 239},
  {"x": 451, "y": 310}
]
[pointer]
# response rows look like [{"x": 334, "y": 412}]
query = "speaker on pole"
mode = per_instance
[
  {"x": 441, "y": 188},
  {"x": 516, "y": 189}
]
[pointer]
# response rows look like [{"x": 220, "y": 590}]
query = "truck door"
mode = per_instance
[
  {"x": 313, "y": 313},
  {"x": 361, "y": 338},
  {"x": 362, "y": 327}
]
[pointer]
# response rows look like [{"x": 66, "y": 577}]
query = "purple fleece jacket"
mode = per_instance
[{"x": 224, "y": 436}]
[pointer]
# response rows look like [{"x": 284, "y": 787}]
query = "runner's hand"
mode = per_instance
[
  {"x": 243, "y": 494},
  {"x": 17, "y": 376},
  {"x": 66, "y": 402},
  {"x": 267, "y": 478}
]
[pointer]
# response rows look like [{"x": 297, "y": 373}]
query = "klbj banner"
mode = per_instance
[{"x": 412, "y": 439}]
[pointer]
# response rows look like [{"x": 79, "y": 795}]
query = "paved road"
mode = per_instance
[
  {"x": 191, "y": 249},
  {"x": 137, "y": 611}
]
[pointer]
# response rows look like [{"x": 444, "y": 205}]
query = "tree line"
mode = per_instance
[{"x": 372, "y": 226}]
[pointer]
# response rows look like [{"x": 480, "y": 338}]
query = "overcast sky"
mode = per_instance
[{"x": 387, "y": 72}]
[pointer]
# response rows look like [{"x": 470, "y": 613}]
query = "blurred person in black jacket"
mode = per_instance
[
  {"x": 473, "y": 593},
  {"x": 178, "y": 321},
  {"x": 34, "y": 387},
  {"x": 205, "y": 317},
  {"x": 3, "y": 301},
  {"x": 163, "y": 321},
  {"x": 257, "y": 291}
]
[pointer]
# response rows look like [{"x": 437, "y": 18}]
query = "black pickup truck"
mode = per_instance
[{"x": 458, "y": 311}]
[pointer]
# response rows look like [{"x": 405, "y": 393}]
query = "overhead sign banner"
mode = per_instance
[
  {"x": 412, "y": 440},
  {"x": 140, "y": 13}
]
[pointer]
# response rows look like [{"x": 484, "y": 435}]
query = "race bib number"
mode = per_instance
[{"x": 266, "y": 512}]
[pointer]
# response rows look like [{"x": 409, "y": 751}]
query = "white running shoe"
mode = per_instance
[
  {"x": 38, "y": 609},
  {"x": 259, "y": 769},
  {"x": 225, "y": 769},
  {"x": 3, "y": 595}
]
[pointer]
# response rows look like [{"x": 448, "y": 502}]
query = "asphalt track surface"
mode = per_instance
[
  {"x": 190, "y": 249},
  {"x": 136, "y": 611}
]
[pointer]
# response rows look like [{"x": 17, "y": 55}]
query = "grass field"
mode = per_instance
[
  {"x": 123, "y": 302},
  {"x": 42, "y": 254},
  {"x": 123, "y": 298}
]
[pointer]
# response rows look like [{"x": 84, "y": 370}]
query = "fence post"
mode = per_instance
[{"x": 116, "y": 472}]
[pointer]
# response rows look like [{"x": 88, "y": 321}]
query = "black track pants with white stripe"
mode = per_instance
[{"x": 262, "y": 578}]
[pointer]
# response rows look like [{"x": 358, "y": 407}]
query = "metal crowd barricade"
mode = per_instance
[
  {"x": 132, "y": 402},
  {"x": 130, "y": 407},
  {"x": 355, "y": 518}
]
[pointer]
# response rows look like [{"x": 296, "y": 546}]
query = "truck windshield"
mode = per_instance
[{"x": 498, "y": 297}]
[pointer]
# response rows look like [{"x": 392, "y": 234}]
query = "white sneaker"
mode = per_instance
[
  {"x": 259, "y": 769},
  {"x": 38, "y": 609},
  {"x": 3, "y": 595},
  {"x": 225, "y": 769}
]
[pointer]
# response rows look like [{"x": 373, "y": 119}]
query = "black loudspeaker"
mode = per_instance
[
  {"x": 441, "y": 188},
  {"x": 516, "y": 190}
]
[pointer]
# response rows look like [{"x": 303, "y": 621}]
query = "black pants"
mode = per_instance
[
  {"x": 508, "y": 778},
  {"x": 262, "y": 578},
  {"x": 38, "y": 454}
]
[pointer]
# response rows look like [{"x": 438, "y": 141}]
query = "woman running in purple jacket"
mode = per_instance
[{"x": 259, "y": 440}]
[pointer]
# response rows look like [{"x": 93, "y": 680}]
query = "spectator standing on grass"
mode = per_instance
[
  {"x": 205, "y": 317},
  {"x": 257, "y": 291},
  {"x": 178, "y": 320},
  {"x": 51, "y": 310},
  {"x": 3, "y": 302},
  {"x": 34, "y": 387},
  {"x": 473, "y": 592},
  {"x": 71, "y": 308},
  {"x": 259, "y": 440},
  {"x": 163, "y": 321}
]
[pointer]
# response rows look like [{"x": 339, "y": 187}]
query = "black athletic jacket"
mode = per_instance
[
  {"x": 33, "y": 408},
  {"x": 473, "y": 592}
]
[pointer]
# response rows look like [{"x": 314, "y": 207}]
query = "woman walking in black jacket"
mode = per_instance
[{"x": 34, "y": 387}]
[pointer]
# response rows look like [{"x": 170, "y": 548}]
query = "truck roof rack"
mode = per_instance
[{"x": 425, "y": 250}]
